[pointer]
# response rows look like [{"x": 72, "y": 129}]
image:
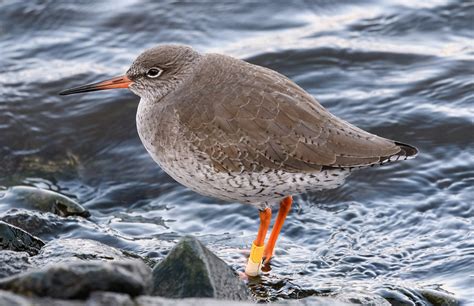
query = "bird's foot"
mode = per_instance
[
  {"x": 268, "y": 252},
  {"x": 267, "y": 259},
  {"x": 255, "y": 260}
]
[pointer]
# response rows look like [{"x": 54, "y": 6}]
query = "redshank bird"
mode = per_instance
[{"x": 240, "y": 132}]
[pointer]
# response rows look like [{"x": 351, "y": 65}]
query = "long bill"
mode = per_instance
[{"x": 117, "y": 82}]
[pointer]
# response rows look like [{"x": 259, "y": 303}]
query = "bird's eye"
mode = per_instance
[{"x": 154, "y": 72}]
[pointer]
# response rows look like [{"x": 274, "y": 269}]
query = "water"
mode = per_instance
[{"x": 400, "y": 69}]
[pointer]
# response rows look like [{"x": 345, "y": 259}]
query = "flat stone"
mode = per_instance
[
  {"x": 76, "y": 280},
  {"x": 12, "y": 262},
  {"x": 65, "y": 250},
  {"x": 41, "y": 200},
  {"x": 15, "y": 239},
  {"x": 191, "y": 270}
]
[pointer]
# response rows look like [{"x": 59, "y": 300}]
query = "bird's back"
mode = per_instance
[{"x": 249, "y": 118}]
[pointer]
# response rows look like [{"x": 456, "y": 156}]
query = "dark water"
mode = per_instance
[{"x": 401, "y": 69}]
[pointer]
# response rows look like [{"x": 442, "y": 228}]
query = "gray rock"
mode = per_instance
[
  {"x": 64, "y": 250},
  {"x": 400, "y": 295},
  {"x": 161, "y": 301},
  {"x": 16, "y": 239},
  {"x": 191, "y": 270},
  {"x": 437, "y": 297},
  {"x": 76, "y": 280},
  {"x": 11, "y": 299},
  {"x": 42, "y": 200},
  {"x": 361, "y": 298},
  {"x": 12, "y": 262},
  {"x": 40, "y": 224},
  {"x": 99, "y": 298},
  {"x": 48, "y": 226},
  {"x": 316, "y": 301}
]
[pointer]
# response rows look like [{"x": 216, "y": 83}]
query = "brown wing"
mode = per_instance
[{"x": 249, "y": 118}]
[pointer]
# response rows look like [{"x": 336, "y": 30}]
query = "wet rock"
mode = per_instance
[
  {"x": 42, "y": 200},
  {"x": 161, "y": 301},
  {"x": 76, "y": 280},
  {"x": 16, "y": 239},
  {"x": 437, "y": 297},
  {"x": 400, "y": 295},
  {"x": 43, "y": 225},
  {"x": 48, "y": 226},
  {"x": 109, "y": 298},
  {"x": 12, "y": 262},
  {"x": 11, "y": 299},
  {"x": 100, "y": 298},
  {"x": 317, "y": 301},
  {"x": 362, "y": 298},
  {"x": 8, "y": 298},
  {"x": 191, "y": 270},
  {"x": 63, "y": 250}
]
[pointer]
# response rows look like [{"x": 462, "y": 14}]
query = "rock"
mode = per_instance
[
  {"x": 8, "y": 298},
  {"x": 42, "y": 200},
  {"x": 361, "y": 298},
  {"x": 12, "y": 262},
  {"x": 16, "y": 239},
  {"x": 437, "y": 297},
  {"x": 76, "y": 280},
  {"x": 400, "y": 295},
  {"x": 161, "y": 301},
  {"x": 11, "y": 299},
  {"x": 48, "y": 226},
  {"x": 63, "y": 250},
  {"x": 191, "y": 270},
  {"x": 99, "y": 298},
  {"x": 41, "y": 224},
  {"x": 317, "y": 301}
]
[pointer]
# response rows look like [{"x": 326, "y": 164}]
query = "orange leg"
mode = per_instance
[
  {"x": 256, "y": 253},
  {"x": 285, "y": 206}
]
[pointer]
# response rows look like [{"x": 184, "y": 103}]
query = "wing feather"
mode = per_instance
[{"x": 249, "y": 118}]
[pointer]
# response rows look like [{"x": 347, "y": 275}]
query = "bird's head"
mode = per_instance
[{"x": 152, "y": 75}]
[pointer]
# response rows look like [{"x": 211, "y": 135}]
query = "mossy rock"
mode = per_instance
[{"x": 191, "y": 270}]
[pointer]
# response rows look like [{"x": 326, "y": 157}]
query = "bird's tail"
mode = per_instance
[{"x": 406, "y": 152}]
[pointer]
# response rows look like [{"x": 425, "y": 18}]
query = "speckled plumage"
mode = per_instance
[{"x": 237, "y": 131}]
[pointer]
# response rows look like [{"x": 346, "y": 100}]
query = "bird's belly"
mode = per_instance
[
  {"x": 167, "y": 145},
  {"x": 256, "y": 188}
]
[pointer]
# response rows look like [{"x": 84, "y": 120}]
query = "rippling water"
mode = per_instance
[{"x": 401, "y": 69}]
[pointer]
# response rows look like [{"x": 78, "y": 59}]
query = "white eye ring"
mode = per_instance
[{"x": 154, "y": 72}]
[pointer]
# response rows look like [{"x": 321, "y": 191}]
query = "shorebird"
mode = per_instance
[{"x": 229, "y": 129}]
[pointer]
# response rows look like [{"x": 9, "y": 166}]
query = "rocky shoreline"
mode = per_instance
[{"x": 39, "y": 267}]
